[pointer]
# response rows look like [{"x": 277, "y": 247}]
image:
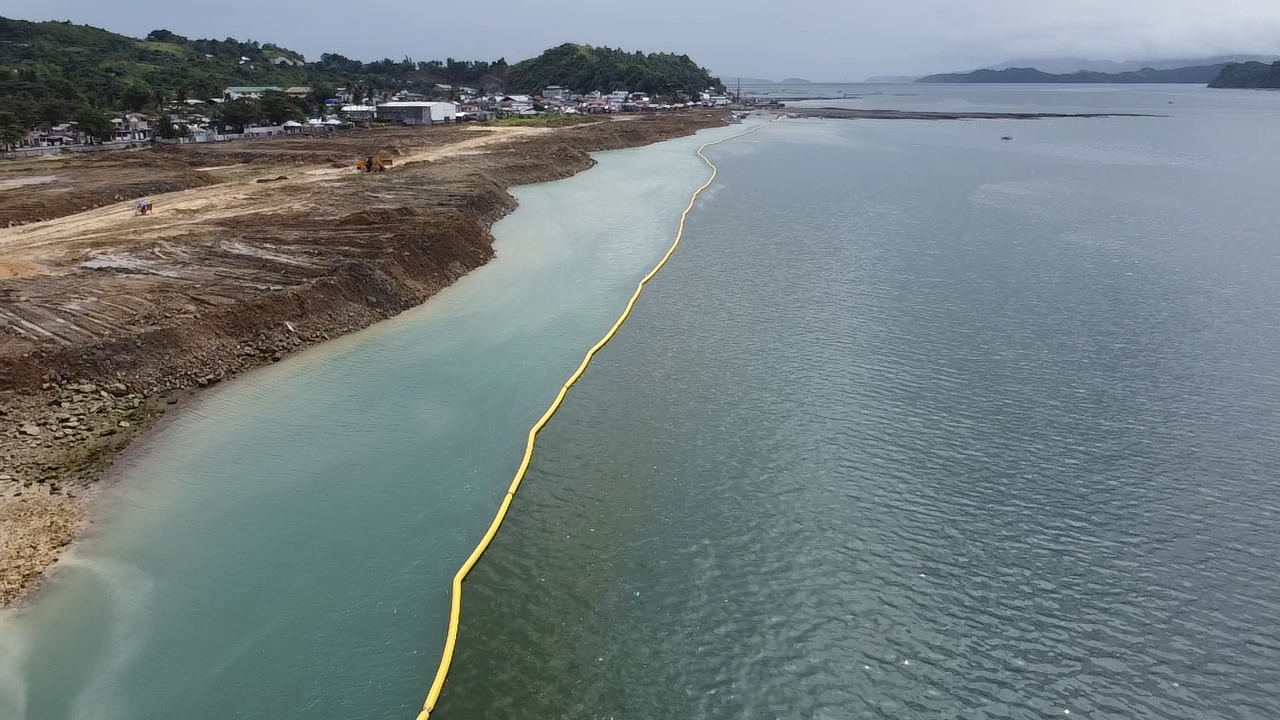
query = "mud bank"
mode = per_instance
[{"x": 108, "y": 320}]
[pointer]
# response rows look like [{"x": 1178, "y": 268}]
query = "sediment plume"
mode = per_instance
[{"x": 254, "y": 251}]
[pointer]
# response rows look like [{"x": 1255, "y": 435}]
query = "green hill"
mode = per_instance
[
  {"x": 1198, "y": 75},
  {"x": 51, "y": 69},
  {"x": 1248, "y": 75},
  {"x": 51, "y": 72},
  {"x": 583, "y": 68}
]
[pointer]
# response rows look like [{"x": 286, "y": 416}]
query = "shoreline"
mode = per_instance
[
  {"x": 455, "y": 614},
  {"x": 71, "y": 405}
]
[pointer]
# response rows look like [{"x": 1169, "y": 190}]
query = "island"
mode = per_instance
[
  {"x": 1193, "y": 75},
  {"x": 1255, "y": 75}
]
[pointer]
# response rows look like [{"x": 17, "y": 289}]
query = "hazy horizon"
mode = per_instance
[{"x": 820, "y": 40}]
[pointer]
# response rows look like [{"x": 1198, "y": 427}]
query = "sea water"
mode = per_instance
[{"x": 921, "y": 422}]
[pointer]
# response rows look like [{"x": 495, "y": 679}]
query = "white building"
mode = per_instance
[
  {"x": 444, "y": 112},
  {"x": 418, "y": 112}
]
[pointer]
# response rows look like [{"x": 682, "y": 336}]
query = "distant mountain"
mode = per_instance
[
  {"x": 1198, "y": 75},
  {"x": 1068, "y": 65},
  {"x": 1248, "y": 75},
  {"x": 795, "y": 81}
]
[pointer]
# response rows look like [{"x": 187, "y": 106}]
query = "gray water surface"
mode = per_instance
[{"x": 922, "y": 423}]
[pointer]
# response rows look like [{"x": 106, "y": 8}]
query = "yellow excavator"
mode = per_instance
[{"x": 373, "y": 163}]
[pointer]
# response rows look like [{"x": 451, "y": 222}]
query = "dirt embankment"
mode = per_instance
[{"x": 107, "y": 319}]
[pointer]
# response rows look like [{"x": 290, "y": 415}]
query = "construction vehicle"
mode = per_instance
[{"x": 373, "y": 163}]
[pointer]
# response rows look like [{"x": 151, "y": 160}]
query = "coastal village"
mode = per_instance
[
  {"x": 198, "y": 121},
  {"x": 176, "y": 212}
]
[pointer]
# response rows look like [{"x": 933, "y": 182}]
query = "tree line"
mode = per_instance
[
  {"x": 583, "y": 68},
  {"x": 57, "y": 72}
]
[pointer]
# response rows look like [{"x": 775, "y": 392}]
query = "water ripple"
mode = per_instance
[{"x": 875, "y": 449}]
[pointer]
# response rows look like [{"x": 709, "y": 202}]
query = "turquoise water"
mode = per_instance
[
  {"x": 923, "y": 423},
  {"x": 284, "y": 548}
]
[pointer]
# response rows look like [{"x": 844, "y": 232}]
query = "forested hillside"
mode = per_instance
[
  {"x": 52, "y": 69},
  {"x": 582, "y": 68}
]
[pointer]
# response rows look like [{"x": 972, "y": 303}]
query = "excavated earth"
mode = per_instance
[{"x": 254, "y": 251}]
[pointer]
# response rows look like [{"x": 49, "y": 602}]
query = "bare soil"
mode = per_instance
[{"x": 254, "y": 251}]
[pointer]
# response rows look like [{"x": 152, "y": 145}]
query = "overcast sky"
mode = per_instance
[{"x": 816, "y": 39}]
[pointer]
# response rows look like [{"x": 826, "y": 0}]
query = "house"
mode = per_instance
[
  {"x": 298, "y": 91},
  {"x": 133, "y": 127},
  {"x": 554, "y": 92},
  {"x": 249, "y": 91},
  {"x": 418, "y": 112},
  {"x": 514, "y": 105},
  {"x": 55, "y": 136},
  {"x": 474, "y": 111}
]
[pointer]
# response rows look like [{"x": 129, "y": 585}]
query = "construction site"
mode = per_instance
[{"x": 130, "y": 279}]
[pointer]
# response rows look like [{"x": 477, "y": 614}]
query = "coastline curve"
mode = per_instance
[{"x": 455, "y": 611}]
